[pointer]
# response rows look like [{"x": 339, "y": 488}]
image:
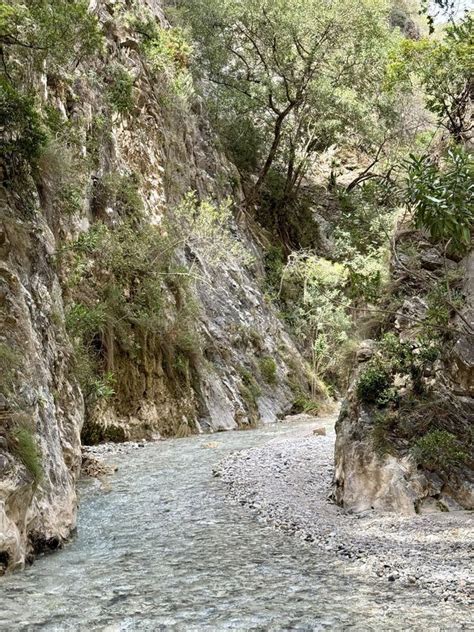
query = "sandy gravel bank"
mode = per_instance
[{"x": 287, "y": 484}]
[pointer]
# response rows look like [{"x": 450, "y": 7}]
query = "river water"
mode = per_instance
[{"x": 161, "y": 549}]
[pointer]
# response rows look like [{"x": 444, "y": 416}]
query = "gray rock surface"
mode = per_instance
[
  {"x": 40, "y": 396},
  {"x": 173, "y": 154},
  {"x": 374, "y": 463}
]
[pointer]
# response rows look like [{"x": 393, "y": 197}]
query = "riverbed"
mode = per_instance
[{"x": 159, "y": 547}]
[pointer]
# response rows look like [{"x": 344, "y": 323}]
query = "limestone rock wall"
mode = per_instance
[
  {"x": 175, "y": 152},
  {"x": 41, "y": 407},
  {"x": 375, "y": 457}
]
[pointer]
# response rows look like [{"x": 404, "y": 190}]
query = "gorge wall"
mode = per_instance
[
  {"x": 122, "y": 140},
  {"x": 404, "y": 435}
]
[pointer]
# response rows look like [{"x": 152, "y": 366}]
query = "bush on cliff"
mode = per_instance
[
  {"x": 372, "y": 383},
  {"x": 442, "y": 197},
  {"x": 439, "y": 449},
  {"x": 268, "y": 368},
  {"x": 24, "y": 446}
]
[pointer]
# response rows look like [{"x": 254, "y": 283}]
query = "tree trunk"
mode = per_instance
[{"x": 273, "y": 151}]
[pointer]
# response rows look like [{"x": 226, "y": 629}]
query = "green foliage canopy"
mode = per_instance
[
  {"x": 445, "y": 68},
  {"x": 442, "y": 197},
  {"x": 290, "y": 79},
  {"x": 35, "y": 32}
]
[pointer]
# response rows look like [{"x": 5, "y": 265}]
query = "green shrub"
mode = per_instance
[
  {"x": 274, "y": 262},
  {"x": 71, "y": 199},
  {"x": 207, "y": 228},
  {"x": 84, "y": 320},
  {"x": 121, "y": 192},
  {"x": 304, "y": 404},
  {"x": 249, "y": 391},
  {"x": 128, "y": 200},
  {"x": 429, "y": 353},
  {"x": 411, "y": 361},
  {"x": 442, "y": 197},
  {"x": 120, "y": 91},
  {"x": 26, "y": 449},
  {"x": 365, "y": 219},
  {"x": 250, "y": 382},
  {"x": 367, "y": 274},
  {"x": 167, "y": 52},
  {"x": 168, "y": 48},
  {"x": 372, "y": 383},
  {"x": 388, "y": 396},
  {"x": 438, "y": 449},
  {"x": 23, "y": 134},
  {"x": 85, "y": 366},
  {"x": 102, "y": 387},
  {"x": 88, "y": 370},
  {"x": 397, "y": 355},
  {"x": 438, "y": 315},
  {"x": 268, "y": 369},
  {"x": 248, "y": 395}
]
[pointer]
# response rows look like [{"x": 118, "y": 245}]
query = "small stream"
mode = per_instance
[{"x": 161, "y": 549}]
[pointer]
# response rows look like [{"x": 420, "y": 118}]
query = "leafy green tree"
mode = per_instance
[
  {"x": 444, "y": 66},
  {"x": 56, "y": 32},
  {"x": 23, "y": 135},
  {"x": 317, "y": 307},
  {"x": 442, "y": 197},
  {"x": 431, "y": 9},
  {"x": 439, "y": 189},
  {"x": 290, "y": 78},
  {"x": 38, "y": 36}
]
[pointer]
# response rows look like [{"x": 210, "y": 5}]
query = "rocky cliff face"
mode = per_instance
[
  {"x": 244, "y": 367},
  {"x": 41, "y": 405},
  {"x": 404, "y": 435}
]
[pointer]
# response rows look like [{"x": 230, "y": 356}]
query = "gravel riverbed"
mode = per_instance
[
  {"x": 287, "y": 482},
  {"x": 159, "y": 547}
]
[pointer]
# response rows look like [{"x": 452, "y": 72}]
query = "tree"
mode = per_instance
[
  {"x": 439, "y": 187},
  {"x": 290, "y": 78},
  {"x": 442, "y": 197},
  {"x": 439, "y": 9},
  {"x": 56, "y": 32},
  {"x": 444, "y": 67}
]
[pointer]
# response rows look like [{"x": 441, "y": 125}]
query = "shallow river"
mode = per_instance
[{"x": 161, "y": 549}]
